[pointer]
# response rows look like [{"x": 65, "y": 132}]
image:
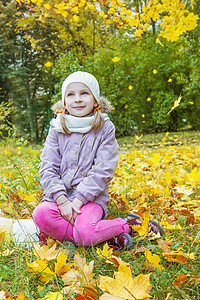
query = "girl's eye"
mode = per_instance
[
  {"x": 84, "y": 93},
  {"x": 70, "y": 94}
]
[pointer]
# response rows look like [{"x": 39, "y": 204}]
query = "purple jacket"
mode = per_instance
[{"x": 79, "y": 165}]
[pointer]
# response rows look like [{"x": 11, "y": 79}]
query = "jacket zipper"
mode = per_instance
[{"x": 76, "y": 162}]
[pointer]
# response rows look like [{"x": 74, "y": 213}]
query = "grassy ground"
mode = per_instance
[{"x": 157, "y": 175}]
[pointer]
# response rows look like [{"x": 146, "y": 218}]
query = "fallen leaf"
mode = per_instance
[
  {"x": 153, "y": 259},
  {"x": 53, "y": 296},
  {"x": 178, "y": 256},
  {"x": 180, "y": 279},
  {"x": 143, "y": 229},
  {"x": 124, "y": 286},
  {"x": 89, "y": 293},
  {"x": 163, "y": 245},
  {"x": 61, "y": 267},
  {"x": 106, "y": 252},
  {"x": 44, "y": 252},
  {"x": 40, "y": 267}
]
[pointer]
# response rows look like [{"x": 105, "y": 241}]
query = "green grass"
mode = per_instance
[{"x": 22, "y": 166}]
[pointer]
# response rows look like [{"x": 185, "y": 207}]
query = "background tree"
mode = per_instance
[{"x": 38, "y": 36}]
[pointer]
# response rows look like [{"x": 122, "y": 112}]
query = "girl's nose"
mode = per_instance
[{"x": 77, "y": 98}]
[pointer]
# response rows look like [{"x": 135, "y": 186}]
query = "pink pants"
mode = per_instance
[{"x": 89, "y": 228}]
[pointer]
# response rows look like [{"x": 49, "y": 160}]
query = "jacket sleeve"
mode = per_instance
[
  {"x": 50, "y": 167},
  {"x": 104, "y": 166}
]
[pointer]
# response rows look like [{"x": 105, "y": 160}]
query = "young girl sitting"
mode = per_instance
[{"x": 79, "y": 159}]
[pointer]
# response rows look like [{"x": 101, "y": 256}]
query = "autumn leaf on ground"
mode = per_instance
[
  {"x": 45, "y": 252},
  {"x": 61, "y": 267},
  {"x": 178, "y": 256},
  {"x": 53, "y": 296},
  {"x": 143, "y": 229},
  {"x": 2, "y": 235},
  {"x": 89, "y": 293},
  {"x": 124, "y": 286},
  {"x": 185, "y": 190},
  {"x": 40, "y": 267},
  {"x": 180, "y": 279},
  {"x": 168, "y": 226},
  {"x": 106, "y": 252},
  {"x": 153, "y": 259},
  {"x": 163, "y": 245},
  {"x": 79, "y": 277}
]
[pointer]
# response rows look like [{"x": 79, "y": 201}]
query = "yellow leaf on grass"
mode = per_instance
[
  {"x": 106, "y": 252},
  {"x": 169, "y": 226},
  {"x": 153, "y": 259},
  {"x": 124, "y": 286},
  {"x": 60, "y": 266},
  {"x": 21, "y": 296},
  {"x": 45, "y": 252},
  {"x": 178, "y": 256},
  {"x": 82, "y": 275},
  {"x": 53, "y": 296},
  {"x": 40, "y": 267}
]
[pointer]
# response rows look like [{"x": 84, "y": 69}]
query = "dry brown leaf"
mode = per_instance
[{"x": 163, "y": 245}]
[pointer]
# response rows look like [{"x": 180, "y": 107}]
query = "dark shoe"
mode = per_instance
[
  {"x": 122, "y": 241},
  {"x": 133, "y": 219}
]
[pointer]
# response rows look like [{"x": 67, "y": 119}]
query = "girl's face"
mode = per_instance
[{"x": 79, "y": 100}]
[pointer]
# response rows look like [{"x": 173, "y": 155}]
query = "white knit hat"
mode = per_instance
[{"x": 83, "y": 77}]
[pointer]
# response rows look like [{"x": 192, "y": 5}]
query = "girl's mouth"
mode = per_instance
[{"x": 79, "y": 107}]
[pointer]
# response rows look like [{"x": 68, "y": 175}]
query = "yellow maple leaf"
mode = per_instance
[
  {"x": 153, "y": 259},
  {"x": 45, "y": 252},
  {"x": 40, "y": 267},
  {"x": 124, "y": 286},
  {"x": 106, "y": 252},
  {"x": 61, "y": 267},
  {"x": 143, "y": 229},
  {"x": 82, "y": 275},
  {"x": 53, "y": 296}
]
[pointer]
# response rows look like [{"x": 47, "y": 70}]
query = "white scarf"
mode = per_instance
[{"x": 75, "y": 124}]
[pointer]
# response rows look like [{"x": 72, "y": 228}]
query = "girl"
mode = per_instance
[{"x": 79, "y": 159}]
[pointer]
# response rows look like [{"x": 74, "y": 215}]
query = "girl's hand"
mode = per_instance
[
  {"x": 78, "y": 204},
  {"x": 68, "y": 209}
]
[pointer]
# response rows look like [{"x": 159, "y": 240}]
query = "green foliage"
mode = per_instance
[
  {"x": 5, "y": 125},
  {"x": 148, "y": 71}
]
